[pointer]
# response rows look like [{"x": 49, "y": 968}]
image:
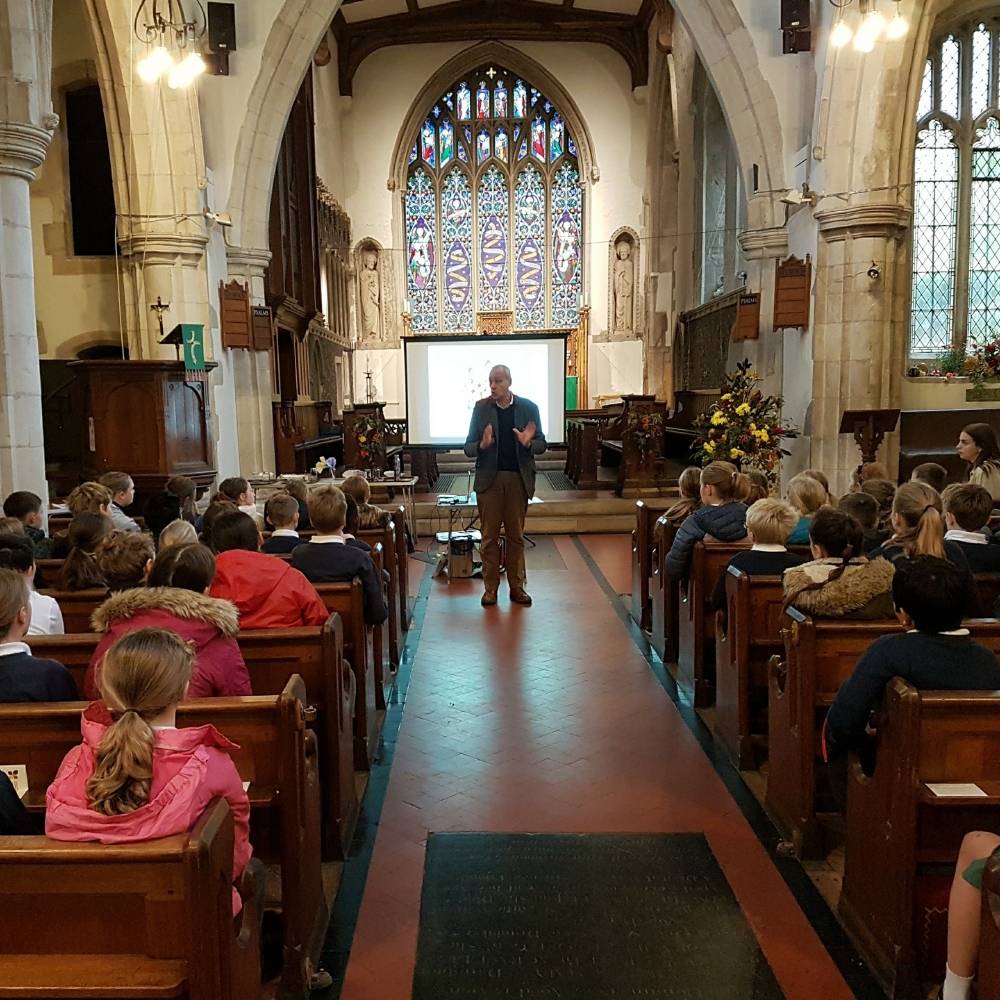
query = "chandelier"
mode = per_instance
[
  {"x": 164, "y": 27},
  {"x": 870, "y": 28}
]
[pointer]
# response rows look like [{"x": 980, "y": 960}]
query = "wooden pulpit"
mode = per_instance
[{"x": 144, "y": 418}]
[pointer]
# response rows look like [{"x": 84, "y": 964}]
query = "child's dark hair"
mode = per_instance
[
  {"x": 352, "y": 519},
  {"x": 188, "y": 567},
  {"x": 16, "y": 552},
  {"x": 969, "y": 504},
  {"x": 21, "y": 503},
  {"x": 160, "y": 510},
  {"x": 863, "y": 507},
  {"x": 235, "y": 530},
  {"x": 233, "y": 488},
  {"x": 185, "y": 490},
  {"x": 932, "y": 591},
  {"x": 281, "y": 509},
  {"x": 122, "y": 557},
  {"x": 215, "y": 510},
  {"x": 931, "y": 473},
  {"x": 840, "y": 537},
  {"x": 80, "y": 570}
]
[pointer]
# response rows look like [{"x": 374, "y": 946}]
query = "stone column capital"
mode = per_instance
[
  {"x": 885, "y": 220},
  {"x": 165, "y": 248},
  {"x": 250, "y": 261},
  {"x": 23, "y": 146},
  {"x": 759, "y": 244}
]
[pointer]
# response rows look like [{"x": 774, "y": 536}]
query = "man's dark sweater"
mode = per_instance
[
  {"x": 24, "y": 677},
  {"x": 507, "y": 445},
  {"x": 333, "y": 562},
  {"x": 927, "y": 660},
  {"x": 754, "y": 563}
]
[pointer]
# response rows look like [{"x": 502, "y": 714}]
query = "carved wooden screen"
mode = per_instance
[{"x": 493, "y": 209}]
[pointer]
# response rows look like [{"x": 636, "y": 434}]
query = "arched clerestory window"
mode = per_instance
[
  {"x": 493, "y": 209},
  {"x": 956, "y": 192}
]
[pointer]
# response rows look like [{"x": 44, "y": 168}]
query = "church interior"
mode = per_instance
[{"x": 642, "y": 360}]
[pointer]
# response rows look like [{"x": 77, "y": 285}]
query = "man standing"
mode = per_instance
[{"x": 505, "y": 435}]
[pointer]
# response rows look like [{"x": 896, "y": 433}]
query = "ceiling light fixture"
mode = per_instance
[
  {"x": 166, "y": 30},
  {"x": 872, "y": 26}
]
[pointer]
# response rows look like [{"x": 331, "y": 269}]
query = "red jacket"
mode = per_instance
[
  {"x": 210, "y": 625},
  {"x": 190, "y": 768},
  {"x": 267, "y": 591}
]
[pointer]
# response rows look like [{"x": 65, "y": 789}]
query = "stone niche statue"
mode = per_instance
[
  {"x": 624, "y": 290},
  {"x": 370, "y": 295}
]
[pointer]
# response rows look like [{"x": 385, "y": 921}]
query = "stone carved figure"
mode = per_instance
[
  {"x": 370, "y": 294},
  {"x": 624, "y": 285}
]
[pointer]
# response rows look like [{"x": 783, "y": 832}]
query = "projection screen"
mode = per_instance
[{"x": 445, "y": 376}]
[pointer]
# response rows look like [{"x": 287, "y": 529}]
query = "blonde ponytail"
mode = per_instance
[
  {"x": 729, "y": 482},
  {"x": 143, "y": 674},
  {"x": 919, "y": 507}
]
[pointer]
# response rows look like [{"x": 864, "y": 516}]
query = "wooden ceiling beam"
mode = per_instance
[{"x": 481, "y": 20}]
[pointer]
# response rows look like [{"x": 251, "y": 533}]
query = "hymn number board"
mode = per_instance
[{"x": 792, "y": 281}]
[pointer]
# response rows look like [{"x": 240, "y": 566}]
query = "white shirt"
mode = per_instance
[
  {"x": 330, "y": 539},
  {"x": 284, "y": 533},
  {"x": 10, "y": 648},
  {"x": 961, "y": 535},
  {"x": 767, "y": 547},
  {"x": 46, "y": 618}
]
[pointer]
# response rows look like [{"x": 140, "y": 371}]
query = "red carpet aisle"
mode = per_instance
[{"x": 549, "y": 720}]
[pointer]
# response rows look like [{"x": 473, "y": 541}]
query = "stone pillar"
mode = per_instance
[
  {"x": 762, "y": 250},
  {"x": 22, "y": 454},
  {"x": 859, "y": 330},
  {"x": 252, "y": 372}
]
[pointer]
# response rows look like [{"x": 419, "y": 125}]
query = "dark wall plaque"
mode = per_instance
[{"x": 792, "y": 288}]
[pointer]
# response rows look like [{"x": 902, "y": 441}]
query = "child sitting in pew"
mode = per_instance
[
  {"x": 240, "y": 492},
  {"x": 179, "y": 532},
  {"x": 369, "y": 515},
  {"x": 866, "y": 472},
  {"x": 136, "y": 776},
  {"x": 822, "y": 478},
  {"x": 917, "y": 527},
  {"x": 806, "y": 494},
  {"x": 122, "y": 491},
  {"x": 936, "y": 653},
  {"x": 80, "y": 570},
  {"x": 24, "y": 677},
  {"x": 176, "y": 598},
  {"x": 327, "y": 558},
  {"x": 759, "y": 487},
  {"x": 124, "y": 559},
  {"x": 863, "y": 507},
  {"x": 17, "y": 554},
  {"x": 689, "y": 487},
  {"x": 934, "y": 475},
  {"x": 351, "y": 520},
  {"x": 967, "y": 510},
  {"x": 884, "y": 493},
  {"x": 27, "y": 508},
  {"x": 282, "y": 511},
  {"x": 268, "y": 593},
  {"x": 965, "y": 908},
  {"x": 723, "y": 515},
  {"x": 840, "y": 582},
  {"x": 769, "y": 523}
]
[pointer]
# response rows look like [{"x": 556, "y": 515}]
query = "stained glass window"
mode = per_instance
[
  {"x": 494, "y": 209},
  {"x": 955, "y": 288}
]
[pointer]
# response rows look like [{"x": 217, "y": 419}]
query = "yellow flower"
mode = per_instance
[
  {"x": 753, "y": 428},
  {"x": 710, "y": 447},
  {"x": 763, "y": 436},
  {"x": 743, "y": 409},
  {"x": 362, "y": 439},
  {"x": 736, "y": 453},
  {"x": 727, "y": 396},
  {"x": 718, "y": 418}
]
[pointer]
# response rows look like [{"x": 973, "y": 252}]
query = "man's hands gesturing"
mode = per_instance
[
  {"x": 526, "y": 436},
  {"x": 486, "y": 441}
]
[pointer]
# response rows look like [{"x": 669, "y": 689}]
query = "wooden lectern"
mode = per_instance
[
  {"x": 869, "y": 428},
  {"x": 144, "y": 418}
]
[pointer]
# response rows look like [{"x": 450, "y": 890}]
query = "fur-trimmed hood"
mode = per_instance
[
  {"x": 863, "y": 582},
  {"x": 187, "y": 604}
]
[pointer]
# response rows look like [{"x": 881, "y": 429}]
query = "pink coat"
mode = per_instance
[
  {"x": 190, "y": 768},
  {"x": 210, "y": 624}
]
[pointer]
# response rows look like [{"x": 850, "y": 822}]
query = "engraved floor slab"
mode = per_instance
[{"x": 583, "y": 917}]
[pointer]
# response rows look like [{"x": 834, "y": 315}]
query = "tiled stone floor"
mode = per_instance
[{"x": 548, "y": 719}]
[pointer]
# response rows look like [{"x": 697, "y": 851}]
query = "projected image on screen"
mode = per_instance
[
  {"x": 445, "y": 376},
  {"x": 462, "y": 377}
]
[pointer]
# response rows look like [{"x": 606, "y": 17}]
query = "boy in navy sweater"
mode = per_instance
[
  {"x": 935, "y": 654},
  {"x": 327, "y": 558},
  {"x": 967, "y": 509},
  {"x": 24, "y": 677},
  {"x": 282, "y": 511}
]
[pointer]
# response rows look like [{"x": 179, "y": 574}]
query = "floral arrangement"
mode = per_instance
[
  {"x": 984, "y": 361},
  {"x": 325, "y": 468},
  {"x": 646, "y": 429},
  {"x": 370, "y": 438},
  {"x": 746, "y": 426}
]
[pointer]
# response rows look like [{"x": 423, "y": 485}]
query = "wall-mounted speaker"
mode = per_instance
[
  {"x": 222, "y": 27},
  {"x": 796, "y": 26}
]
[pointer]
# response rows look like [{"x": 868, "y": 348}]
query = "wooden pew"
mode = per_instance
[
  {"x": 277, "y": 755},
  {"x": 347, "y": 600},
  {"x": 988, "y": 589},
  {"x": 897, "y": 827},
  {"x": 77, "y": 606},
  {"x": 819, "y": 655},
  {"x": 696, "y": 623},
  {"x": 643, "y": 557},
  {"x": 747, "y": 635},
  {"x": 273, "y": 656},
  {"x": 384, "y": 540},
  {"x": 664, "y": 597},
  {"x": 133, "y": 920},
  {"x": 988, "y": 977},
  {"x": 399, "y": 522}
]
